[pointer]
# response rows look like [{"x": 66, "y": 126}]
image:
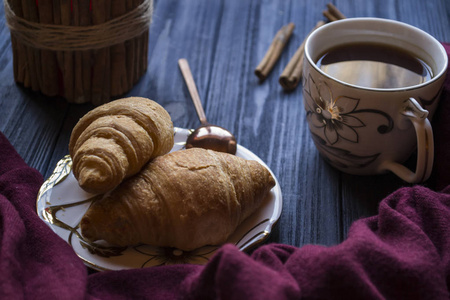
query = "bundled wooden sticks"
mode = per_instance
[
  {"x": 292, "y": 74},
  {"x": 82, "y": 50}
]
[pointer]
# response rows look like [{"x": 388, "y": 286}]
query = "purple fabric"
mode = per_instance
[{"x": 402, "y": 253}]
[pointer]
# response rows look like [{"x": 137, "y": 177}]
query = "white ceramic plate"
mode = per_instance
[{"x": 61, "y": 204}]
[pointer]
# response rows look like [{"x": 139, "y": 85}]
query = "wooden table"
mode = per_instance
[{"x": 224, "y": 40}]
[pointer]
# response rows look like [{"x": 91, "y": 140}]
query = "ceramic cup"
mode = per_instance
[{"x": 366, "y": 131}]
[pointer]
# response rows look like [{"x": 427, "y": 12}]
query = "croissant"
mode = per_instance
[
  {"x": 185, "y": 199},
  {"x": 115, "y": 140}
]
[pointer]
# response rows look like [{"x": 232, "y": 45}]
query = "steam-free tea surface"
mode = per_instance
[{"x": 374, "y": 66}]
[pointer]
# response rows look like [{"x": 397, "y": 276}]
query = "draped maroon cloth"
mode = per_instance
[{"x": 401, "y": 253}]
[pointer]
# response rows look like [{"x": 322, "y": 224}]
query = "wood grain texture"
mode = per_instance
[{"x": 224, "y": 41}]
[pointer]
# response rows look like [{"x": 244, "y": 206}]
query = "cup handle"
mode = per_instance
[{"x": 425, "y": 145}]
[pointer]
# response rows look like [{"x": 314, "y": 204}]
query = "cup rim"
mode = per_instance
[{"x": 442, "y": 71}]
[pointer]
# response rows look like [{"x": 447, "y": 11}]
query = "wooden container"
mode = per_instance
[{"x": 82, "y": 50}]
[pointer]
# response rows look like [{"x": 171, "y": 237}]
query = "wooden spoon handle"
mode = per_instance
[{"x": 189, "y": 79}]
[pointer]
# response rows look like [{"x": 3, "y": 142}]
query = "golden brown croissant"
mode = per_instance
[
  {"x": 115, "y": 140},
  {"x": 185, "y": 199}
]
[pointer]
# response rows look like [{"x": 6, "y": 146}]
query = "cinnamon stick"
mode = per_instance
[
  {"x": 100, "y": 77},
  {"x": 78, "y": 59},
  {"x": 292, "y": 73},
  {"x": 329, "y": 16},
  {"x": 28, "y": 9},
  {"x": 144, "y": 54},
  {"x": 130, "y": 48},
  {"x": 145, "y": 38},
  {"x": 16, "y": 60},
  {"x": 273, "y": 53},
  {"x": 67, "y": 67},
  {"x": 48, "y": 74},
  {"x": 19, "y": 51},
  {"x": 141, "y": 51},
  {"x": 33, "y": 16},
  {"x": 14, "y": 5},
  {"x": 335, "y": 12},
  {"x": 138, "y": 58},
  {"x": 119, "y": 82},
  {"x": 106, "y": 94},
  {"x": 86, "y": 72},
  {"x": 59, "y": 54}
]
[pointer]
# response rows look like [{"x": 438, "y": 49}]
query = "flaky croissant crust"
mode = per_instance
[
  {"x": 185, "y": 199},
  {"x": 115, "y": 140}
]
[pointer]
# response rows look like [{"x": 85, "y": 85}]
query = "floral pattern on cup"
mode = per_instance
[
  {"x": 342, "y": 158},
  {"x": 348, "y": 122},
  {"x": 338, "y": 117},
  {"x": 334, "y": 114}
]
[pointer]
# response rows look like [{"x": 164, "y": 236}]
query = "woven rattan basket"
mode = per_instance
[{"x": 82, "y": 50}]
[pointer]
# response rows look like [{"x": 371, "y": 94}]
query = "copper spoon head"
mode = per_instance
[
  {"x": 213, "y": 138},
  {"x": 206, "y": 136}
]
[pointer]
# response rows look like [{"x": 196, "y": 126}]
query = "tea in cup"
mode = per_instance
[{"x": 370, "y": 87}]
